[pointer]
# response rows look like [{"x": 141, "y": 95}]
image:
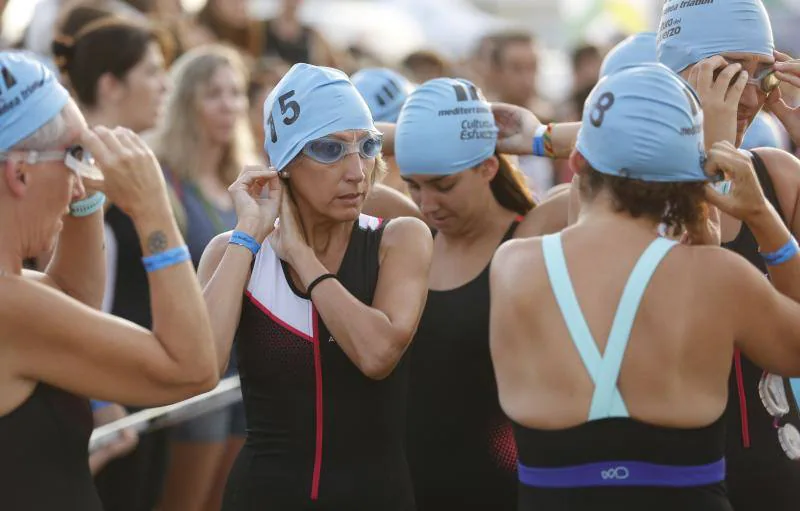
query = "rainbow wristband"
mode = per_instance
[
  {"x": 245, "y": 240},
  {"x": 783, "y": 254},
  {"x": 538, "y": 141},
  {"x": 167, "y": 258},
  {"x": 87, "y": 206}
]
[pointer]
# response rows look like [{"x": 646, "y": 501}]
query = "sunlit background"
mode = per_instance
[{"x": 398, "y": 27}]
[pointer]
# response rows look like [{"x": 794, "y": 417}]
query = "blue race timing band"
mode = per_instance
[
  {"x": 783, "y": 254},
  {"x": 87, "y": 206},
  {"x": 538, "y": 141},
  {"x": 245, "y": 240},
  {"x": 167, "y": 258},
  {"x": 98, "y": 405}
]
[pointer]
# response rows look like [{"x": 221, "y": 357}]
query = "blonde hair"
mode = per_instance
[{"x": 176, "y": 141}]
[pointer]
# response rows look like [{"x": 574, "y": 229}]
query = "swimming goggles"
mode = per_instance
[
  {"x": 79, "y": 161},
  {"x": 329, "y": 149},
  {"x": 773, "y": 395},
  {"x": 766, "y": 82}
]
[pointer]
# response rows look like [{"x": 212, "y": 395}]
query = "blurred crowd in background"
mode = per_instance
[{"x": 194, "y": 83}]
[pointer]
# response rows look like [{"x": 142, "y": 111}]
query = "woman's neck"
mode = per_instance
[
  {"x": 102, "y": 117},
  {"x": 208, "y": 161},
  {"x": 482, "y": 223},
  {"x": 322, "y": 234},
  {"x": 10, "y": 247},
  {"x": 601, "y": 209}
]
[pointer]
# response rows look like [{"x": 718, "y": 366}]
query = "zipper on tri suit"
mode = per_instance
[{"x": 318, "y": 413}]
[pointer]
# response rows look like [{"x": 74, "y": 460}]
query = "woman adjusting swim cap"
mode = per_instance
[{"x": 322, "y": 311}]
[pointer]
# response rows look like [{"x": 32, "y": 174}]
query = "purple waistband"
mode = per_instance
[{"x": 623, "y": 473}]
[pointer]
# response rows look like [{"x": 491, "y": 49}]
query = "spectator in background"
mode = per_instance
[
  {"x": 586, "y": 62},
  {"x": 424, "y": 65},
  {"x": 115, "y": 69},
  {"x": 515, "y": 64},
  {"x": 203, "y": 144},
  {"x": 265, "y": 75},
  {"x": 480, "y": 65},
  {"x": 290, "y": 39}
]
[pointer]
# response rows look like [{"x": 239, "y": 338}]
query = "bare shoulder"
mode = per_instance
[
  {"x": 549, "y": 217},
  {"x": 42, "y": 278},
  {"x": 513, "y": 261},
  {"x": 386, "y": 202},
  {"x": 407, "y": 232}
]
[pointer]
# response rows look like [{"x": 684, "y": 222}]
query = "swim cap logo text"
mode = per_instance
[{"x": 615, "y": 473}]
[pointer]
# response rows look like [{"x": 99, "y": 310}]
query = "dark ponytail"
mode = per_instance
[{"x": 509, "y": 187}]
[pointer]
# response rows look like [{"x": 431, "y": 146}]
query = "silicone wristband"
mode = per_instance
[
  {"x": 538, "y": 141},
  {"x": 167, "y": 258},
  {"x": 245, "y": 240},
  {"x": 87, "y": 206},
  {"x": 318, "y": 280},
  {"x": 783, "y": 254}
]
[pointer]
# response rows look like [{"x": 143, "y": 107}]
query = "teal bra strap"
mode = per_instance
[
  {"x": 606, "y": 382},
  {"x": 579, "y": 331}
]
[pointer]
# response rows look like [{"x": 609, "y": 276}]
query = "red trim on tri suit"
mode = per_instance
[
  {"x": 519, "y": 218},
  {"x": 737, "y": 361},
  {"x": 318, "y": 373},
  {"x": 276, "y": 319}
]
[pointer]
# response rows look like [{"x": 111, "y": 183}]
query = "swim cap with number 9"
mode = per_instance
[
  {"x": 644, "y": 123},
  {"x": 308, "y": 103}
]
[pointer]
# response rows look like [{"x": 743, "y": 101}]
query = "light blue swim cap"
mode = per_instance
[
  {"x": 384, "y": 90},
  {"x": 308, "y": 103},
  {"x": 645, "y": 123},
  {"x": 762, "y": 132},
  {"x": 634, "y": 50},
  {"x": 693, "y": 30},
  {"x": 446, "y": 126},
  {"x": 30, "y": 96}
]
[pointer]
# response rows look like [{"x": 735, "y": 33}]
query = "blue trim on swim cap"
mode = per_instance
[
  {"x": 308, "y": 103},
  {"x": 693, "y": 30},
  {"x": 762, "y": 132},
  {"x": 30, "y": 96},
  {"x": 384, "y": 90},
  {"x": 445, "y": 127},
  {"x": 633, "y": 51},
  {"x": 644, "y": 122}
]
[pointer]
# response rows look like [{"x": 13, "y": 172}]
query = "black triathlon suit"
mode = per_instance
[
  {"x": 44, "y": 454},
  {"x": 460, "y": 444},
  {"x": 760, "y": 476},
  {"x": 320, "y": 434}
]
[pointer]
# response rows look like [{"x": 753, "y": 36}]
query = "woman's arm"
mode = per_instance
[{"x": 374, "y": 337}]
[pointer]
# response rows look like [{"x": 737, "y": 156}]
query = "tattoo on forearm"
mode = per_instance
[{"x": 157, "y": 242}]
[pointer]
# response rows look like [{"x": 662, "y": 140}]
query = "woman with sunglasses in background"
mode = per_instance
[
  {"x": 55, "y": 346},
  {"x": 115, "y": 69},
  {"x": 322, "y": 311},
  {"x": 203, "y": 143},
  {"x": 460, "y": 446}
]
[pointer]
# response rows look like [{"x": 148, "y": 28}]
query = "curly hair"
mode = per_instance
[{"x": 679, "y": 206}]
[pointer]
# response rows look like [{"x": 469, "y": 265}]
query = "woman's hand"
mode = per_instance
[
  {"x": 287, "y": 239},
  {"x": 745, "y": 198},
  {"x": 719, "y": 96},
  {"x": 516, "y": 128},
  {"x": 787, "y": 70},
  {"x": 256, "y": 212}
]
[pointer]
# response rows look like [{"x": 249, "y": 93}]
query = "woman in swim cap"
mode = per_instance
[
  {"x": 650, "y": 373},
  {"x": 461, "y": 451},
  {"x": 55, "y": 345},
  {"x": 322, "y": 311}
]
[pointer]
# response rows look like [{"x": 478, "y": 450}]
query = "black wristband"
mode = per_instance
[{"x": 316, "y": 281}]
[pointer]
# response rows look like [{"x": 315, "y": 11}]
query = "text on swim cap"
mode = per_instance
[
  {"x": 477, "y": 129},
  {"x": 671, "y": 27},
  {"x": 601, "y": 106},
  {"x": 285, "y": 106},
  {"x": 390, "y": 90}
]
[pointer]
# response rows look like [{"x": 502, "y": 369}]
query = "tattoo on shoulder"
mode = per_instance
[{"x": 157, "y": 242}]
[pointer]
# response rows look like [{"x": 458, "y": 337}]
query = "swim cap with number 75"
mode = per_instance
[
  {"x": 644, "y": 123},
  {"x": 308, "y": 103}
]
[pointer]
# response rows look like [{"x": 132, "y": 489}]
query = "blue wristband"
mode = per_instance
[
  {"x": 167, "y": 258},
  {"x": 245, "y": 240},
  {"x": 87, "y": 206},
  {"x": 783, "y": 254},
  {"x": 98, "y": 405},
  {"x": 538, "y": 141}
]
